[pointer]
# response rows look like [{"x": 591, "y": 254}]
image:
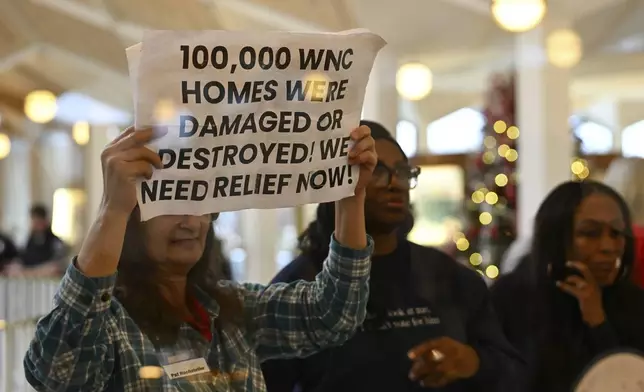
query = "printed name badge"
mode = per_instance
[{"x": 187, "y": 368}]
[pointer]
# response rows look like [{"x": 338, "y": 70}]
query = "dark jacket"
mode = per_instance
[
  {"x": 547, "y": 328},
  {"x": 446, "y": 299},
  {"x": 8, "y": 251},
  {"x": 43, "y": 247}
]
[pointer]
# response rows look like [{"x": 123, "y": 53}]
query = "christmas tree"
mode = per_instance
[{"x": 490, "y": 203}]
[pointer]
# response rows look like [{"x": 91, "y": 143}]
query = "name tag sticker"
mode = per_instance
[{"x": 187, "y": 368}]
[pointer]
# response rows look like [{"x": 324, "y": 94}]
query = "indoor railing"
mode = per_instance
[{"x": 22, "y": 302}]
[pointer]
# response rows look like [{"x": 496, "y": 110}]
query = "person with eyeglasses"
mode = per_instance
[{"x": 429, "y": 323}]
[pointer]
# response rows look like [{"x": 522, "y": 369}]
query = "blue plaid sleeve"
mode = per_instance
[
  {"x": 72, "y": 350},
  {"x": 301, "y": 318}
]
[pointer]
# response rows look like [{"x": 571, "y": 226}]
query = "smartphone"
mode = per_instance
[{"x": 561, "y": 272}]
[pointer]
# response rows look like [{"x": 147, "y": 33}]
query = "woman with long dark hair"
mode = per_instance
[
  {"x": 144, "y": 308},
  {"x": 571, "y": 299}
]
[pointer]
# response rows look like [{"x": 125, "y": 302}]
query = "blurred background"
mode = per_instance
[{"x": 495, "y": 102}]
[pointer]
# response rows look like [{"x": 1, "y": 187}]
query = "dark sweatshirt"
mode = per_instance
[
  {"x": 551, "y": 335},
  {"x": 410, "y": 302}
]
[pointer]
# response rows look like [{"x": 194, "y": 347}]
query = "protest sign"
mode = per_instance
[
  {"x": 614, "y": 372},
  {"x": 254, "y": 119}
]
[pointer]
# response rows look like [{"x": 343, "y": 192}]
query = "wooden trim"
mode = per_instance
[
  {"x": 597, "y": 163},
  {"x": 433, "y": 160},
  {"x": 600, "y": 162}
]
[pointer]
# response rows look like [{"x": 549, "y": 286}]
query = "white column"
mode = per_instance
[
  {"x": 423, "y": 145},
  {"x": 260, "y": 235},
  {"x": 33, "y": 133},
  {"x": 543, "y": 109},
  {"x": 99, "y": 137},
  {"x": 55, "y": 159},
  {"x": 4, "y": 179},
  {"x": 381, "y": 98},
  {"x": 413, "y": 111},
  {"x": 38, "y": 176},
  {"x": 16, "y": 190}
]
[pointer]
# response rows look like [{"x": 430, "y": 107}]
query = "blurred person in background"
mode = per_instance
[
  {"x": 626, "y": 176},
  {"x": 572, "y": 298},
  {"x": 8, "y": 254},
  {"x": 44, "y": 253},
  {"x": 429, "y": 320}
]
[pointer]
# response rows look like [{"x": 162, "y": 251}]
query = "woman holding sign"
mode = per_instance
[
  {"x": 142, "y": 309},
  {"x": 571, "y": 299}
]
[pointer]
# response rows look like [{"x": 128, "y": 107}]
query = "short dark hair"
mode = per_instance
[
  {"x": 554, "y": 315},
  {"x": 314, "y": 241},
  {"x": 39, "y": 211}
]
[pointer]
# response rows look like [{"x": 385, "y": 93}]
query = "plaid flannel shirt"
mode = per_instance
[{"x": 88, "y": 343}]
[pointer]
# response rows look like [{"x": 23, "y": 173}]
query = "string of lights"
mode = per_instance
[
  {"x": 490, "y": 211},
  {"x": 579, "y": 166}
]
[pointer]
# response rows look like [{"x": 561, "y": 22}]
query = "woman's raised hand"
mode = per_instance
[
  {"x": 364, "y": 154},
  {"x": 126, "y": 160}
]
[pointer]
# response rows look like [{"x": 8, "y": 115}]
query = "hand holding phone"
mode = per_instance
[
  {"x": 560, "y": 272},
  {"x": 584, "y": 287}
]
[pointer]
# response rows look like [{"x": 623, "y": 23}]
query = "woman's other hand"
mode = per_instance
[
  {"x": 350, "y": 228},
  {"x": 364, "y": 154},
  {"x": 126, "y": 160}
]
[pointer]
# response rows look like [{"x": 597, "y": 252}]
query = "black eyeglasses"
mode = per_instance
[{"x": 383, "y": 175}]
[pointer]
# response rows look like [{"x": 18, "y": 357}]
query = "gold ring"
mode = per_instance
[{"x": 437, "y": 355}]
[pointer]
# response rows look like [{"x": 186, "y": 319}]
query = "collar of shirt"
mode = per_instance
[{"x": 200, "y": 319}]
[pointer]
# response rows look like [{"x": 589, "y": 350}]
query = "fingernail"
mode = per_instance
[
  {"x": 411, "y": 355},
  {"x": 558, "y": 283},
  {"x": 569, "y": 263},
  {"x": 160, "y": 130}
]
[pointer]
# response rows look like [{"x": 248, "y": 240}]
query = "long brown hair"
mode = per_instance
[{"x": 140, "y": 290}]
